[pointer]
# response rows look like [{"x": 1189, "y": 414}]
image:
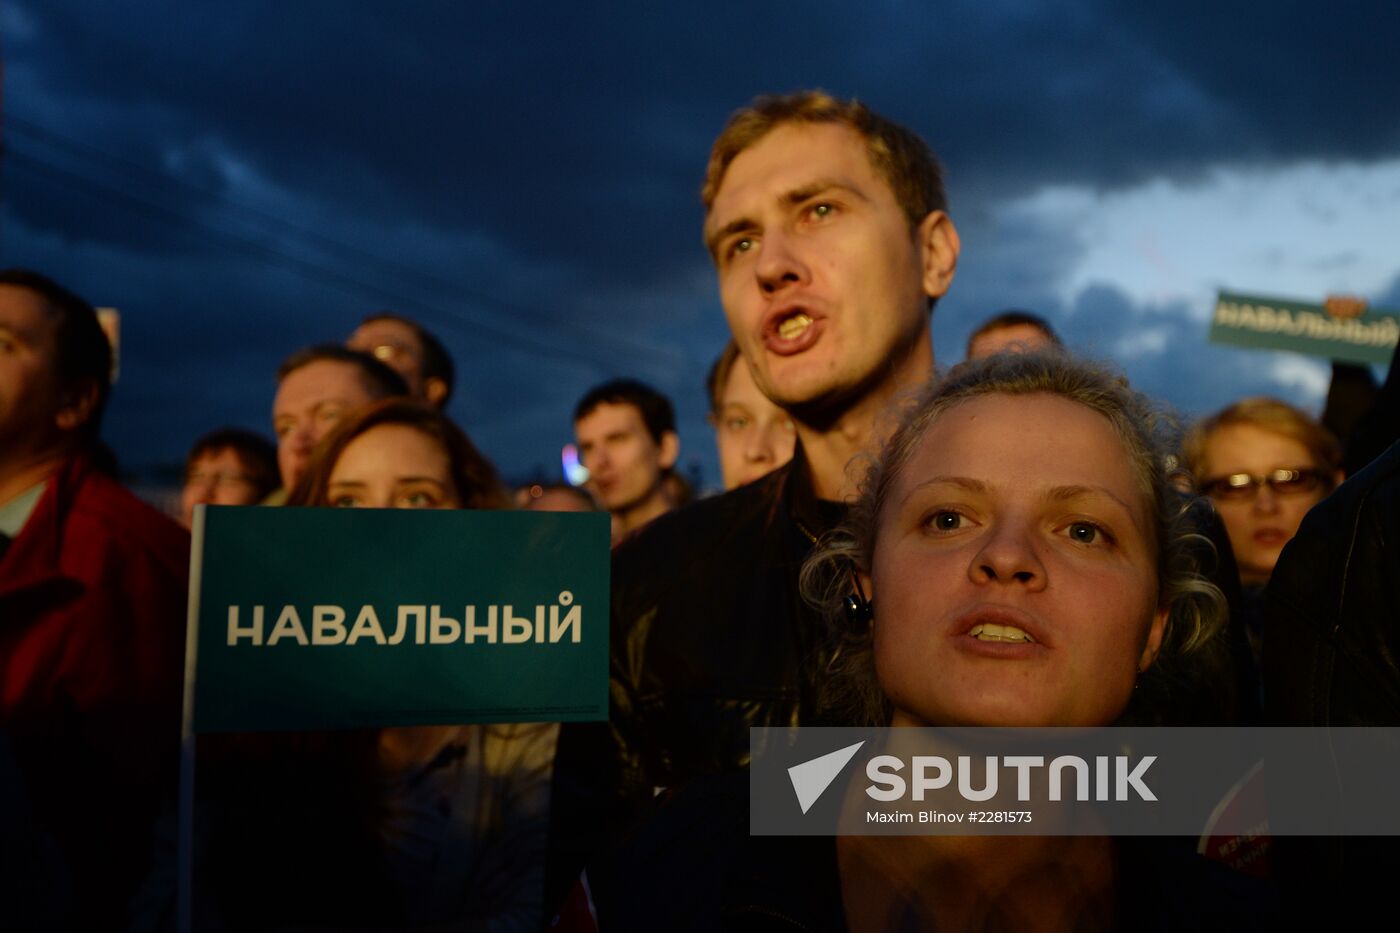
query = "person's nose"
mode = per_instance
[
  {"x": 1008, "y": 555},
  {"x": 779, "y": 263},
  {"x": 1265, "y": 500},
  {"x": 759, "y": 444},
  {"x": 201, "y": 490},
  {"x": 303, "y": 438}
]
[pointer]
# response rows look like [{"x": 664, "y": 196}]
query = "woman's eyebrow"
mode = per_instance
[
  {"x": 1069, "y": 493},
  {"x": 1062, "y": 493},
  {"x": 966, "y": 483}
]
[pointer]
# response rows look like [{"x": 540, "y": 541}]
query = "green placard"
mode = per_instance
[
  {"x": 1279, "y": 324},
  {"x": 352, "y": 618}
]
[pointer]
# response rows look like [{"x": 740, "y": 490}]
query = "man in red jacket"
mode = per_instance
[{"x": 92, "y": 605}]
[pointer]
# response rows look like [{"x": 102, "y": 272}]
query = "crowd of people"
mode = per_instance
[{"x": 1020, "y": 540}]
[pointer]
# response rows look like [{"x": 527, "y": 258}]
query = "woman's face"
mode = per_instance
[
  {"x": 1260, "y": 519},
  {"x": 1014, "y": 576},
  {"x": 393, "y": 466},
  {"x": 753, "y": 435}
]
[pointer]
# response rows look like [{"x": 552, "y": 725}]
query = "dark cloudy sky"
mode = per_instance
[{"x": 245, "y": 178}]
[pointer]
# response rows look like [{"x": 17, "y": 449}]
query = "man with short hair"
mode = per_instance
[
  {"x": 411, "y": 351},
  {"x": 317, "y": 388},
  {"x": 627, "y": 440},
  {"x": 827, "y": 227},
  {"x": 1011, "y": 332},
  {"x": 92, "y": 609}
]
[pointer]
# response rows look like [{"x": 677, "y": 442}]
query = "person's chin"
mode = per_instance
[
  {"x": 1264, "y": 556},
  {"x": 1257, "y": 569},
  {"x": 810, "y": 394}
]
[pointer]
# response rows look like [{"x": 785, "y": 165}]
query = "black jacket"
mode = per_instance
[
  {"x": 1332, "y": 658},
  {"x": 709, "y": 632},
  {"x": 709, "y": 637},
  {"x": 693, "y": 867},
  {"x": 1332, "y": 609}
]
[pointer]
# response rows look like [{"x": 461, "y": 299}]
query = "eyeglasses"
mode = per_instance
[
  {"x": 387, "y": 352},
  {"x": 1243, "y": 487},
  {"x": 200, "y": 478}
]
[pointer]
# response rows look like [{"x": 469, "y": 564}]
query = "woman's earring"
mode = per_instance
[{"x": 859, "y": 610}]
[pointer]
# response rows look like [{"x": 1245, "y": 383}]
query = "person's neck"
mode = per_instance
[
  {"x": 830, "y": 446},
  {"x": 20, "y": 472},
  {"x": 977, "y": 882},
  {"x": 628, "y": 520}
]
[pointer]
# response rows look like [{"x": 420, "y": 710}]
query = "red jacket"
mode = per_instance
[{"x": 92, "y": 622}]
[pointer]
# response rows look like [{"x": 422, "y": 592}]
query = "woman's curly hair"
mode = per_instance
[{"x": 1198, "y": 608}]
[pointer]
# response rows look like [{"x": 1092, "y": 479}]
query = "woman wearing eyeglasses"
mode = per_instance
[{"x": 1263, "y": 463}]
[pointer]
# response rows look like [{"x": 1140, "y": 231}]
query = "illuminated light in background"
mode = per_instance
[{"x": 576, "y": 473}]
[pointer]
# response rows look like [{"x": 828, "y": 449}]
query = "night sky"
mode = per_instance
[{"x": 242, "y": 179}]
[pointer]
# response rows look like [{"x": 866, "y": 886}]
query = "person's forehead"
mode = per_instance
[
  {"x": 789, "y": 158},
  {"x": 1250, "y": 446},
  {"x": 322, "y": 380},
  {"x": 1028, "y": 336},
  {"x": 385, "y": 331},
  {"x": 610, "y": 416},
  {"x": 24, "y": 313},
  {"x": 219, "y": 456},
  {"x": 392, "y": 449},
  {"x": 1010, "y": 332},
  {"x": 1024, "y": 443}
]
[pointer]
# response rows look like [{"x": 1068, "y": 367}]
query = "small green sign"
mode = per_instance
[
  {"x": 355, "y": 618},
  {"x": 1279, "y": 324}
]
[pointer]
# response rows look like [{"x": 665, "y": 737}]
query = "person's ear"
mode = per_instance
[
  {"x": 939, "y": 246},
  {"x": 670, "y": 449},
  {"x": 78, "y": 408},
  {"x": 1154, "y": 638},
  {"x": 435, "y": 391}
]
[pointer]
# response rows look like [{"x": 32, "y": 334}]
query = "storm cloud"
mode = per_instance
[{"x": 243, "y": 179}]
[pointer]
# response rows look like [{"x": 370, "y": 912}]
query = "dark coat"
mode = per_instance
[
  {"x": 710, "y": 636},
  {"x": 693, "y": 866},
  {"x": 1332, "y": 658},
  {"x": 1332, "y": 608}
]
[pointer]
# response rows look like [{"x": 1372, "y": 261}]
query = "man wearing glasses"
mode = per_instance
[{"x": 412, "y": 352}]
